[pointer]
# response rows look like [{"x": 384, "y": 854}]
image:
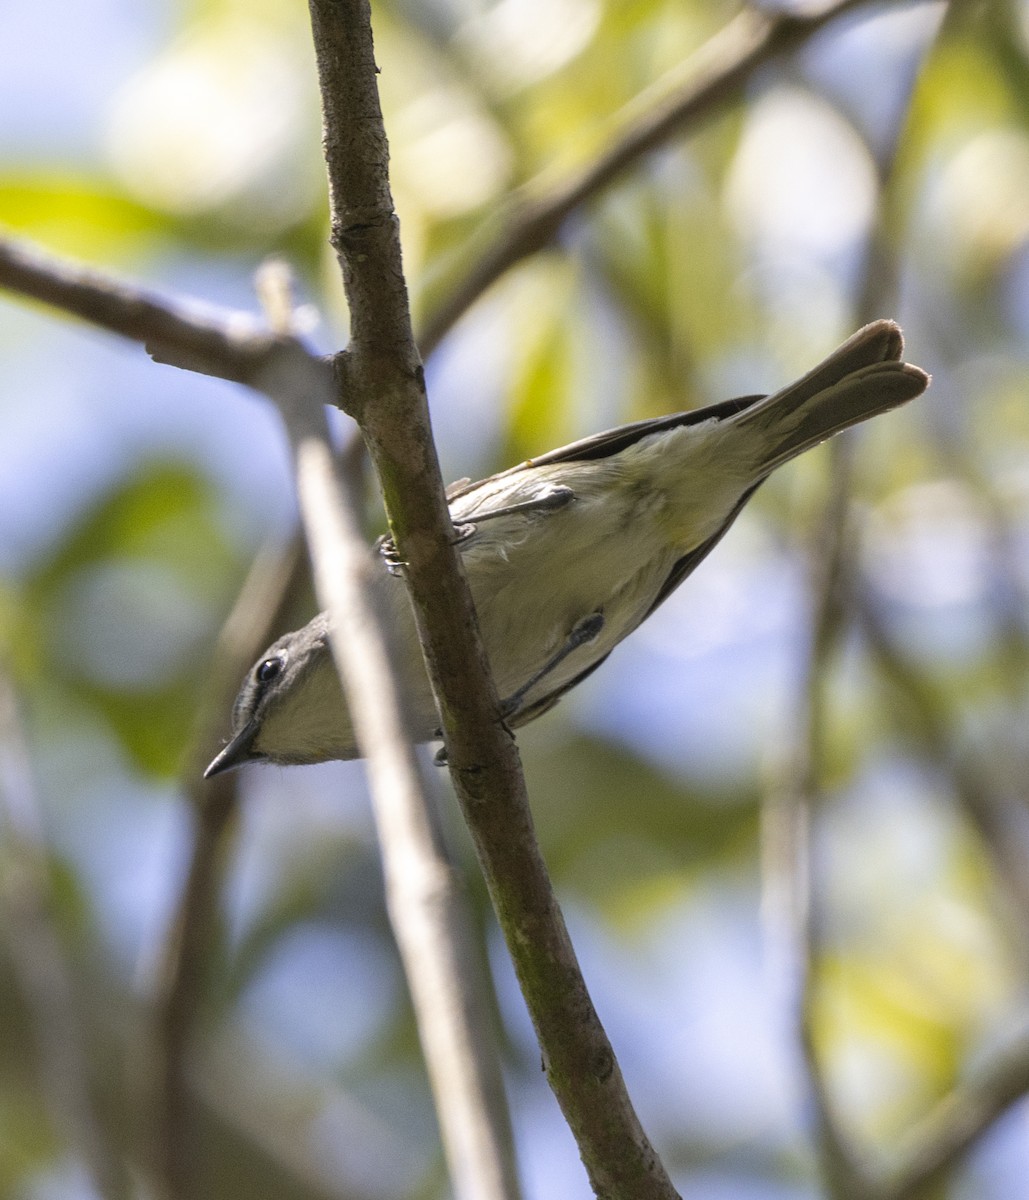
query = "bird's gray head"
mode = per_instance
[{"x": 290, "y": 708}]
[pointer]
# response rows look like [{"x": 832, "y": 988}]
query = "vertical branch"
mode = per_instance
[
  {"x": 787, "y": 821},
  {"x": 384, "y": 378},
  {"x": 269, "y": 590},
  {"x": 792, "y": 804},
  {"x": 38, "y": 961},
  {"x": 426, "y": 907}
]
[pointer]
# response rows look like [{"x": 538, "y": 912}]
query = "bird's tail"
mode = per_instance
[{"x": 861, "y": 379}]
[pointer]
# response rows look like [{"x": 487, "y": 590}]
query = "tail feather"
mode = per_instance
[
  {"x": 879, "y": 342},
  {"x": 862, "y": 379}
]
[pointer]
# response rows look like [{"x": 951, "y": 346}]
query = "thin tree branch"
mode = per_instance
[
  {"x": 267, "y": 593},
  {"x": 424, "y": 897},
  {"x": 38, "y": 961},
  {"x": 427, "y": 901},
  {"x": 938, "y": 1142},
  {"x": 786, "y": 829},
  {"x": 715, "y": 76},
  {"x": 995, "y": 800},
  {"x": 423, "y": 893},
  {"x": 793, "y": 804},
  {"x": 390, "y": 405},
  {"x": 191, "y": 335}
]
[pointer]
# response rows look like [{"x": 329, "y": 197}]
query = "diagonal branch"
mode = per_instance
[
  {"x": 426, "y": 907},
  {"x": 786, "y": 829},
  {"x": 389, "y": 403},
  {"x": 939, "y": 1142},
  {"x": 709, "y": 80},
  {"x": 793, "y": 805},
  {"x": 268, "y": 591},
  {"x": 425, "y": 901}
]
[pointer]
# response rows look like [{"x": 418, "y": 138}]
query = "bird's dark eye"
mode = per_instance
[{"x": 268, "y": 670}]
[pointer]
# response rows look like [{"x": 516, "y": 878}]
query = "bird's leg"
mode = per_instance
[
  {"x": 582, "y": 632},
  {"x": 557, "y": 497}
]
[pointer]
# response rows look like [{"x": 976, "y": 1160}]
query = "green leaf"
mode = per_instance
[{"x": 122, "y": 612}]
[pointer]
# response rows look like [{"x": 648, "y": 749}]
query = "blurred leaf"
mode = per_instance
[
  {"x": 92, "y": 218},
  {"x": 76, "y": 215},
  {"x": 540, "y": 384},
  {"x": 161, "y": 510},
  {"x": 160, "y": 518},
  {"x": 864, "y": 1006},
  {"x": 626, "y": 838}
]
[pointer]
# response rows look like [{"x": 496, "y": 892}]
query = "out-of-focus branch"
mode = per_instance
[
  {"x": 938, "y": 1142},
  {"x": 713, "y": 77},
  {"x": 999, "y": 818},
  {"x": 996, "y": 802},
  {"x": 388, "y": 398},
  {"x": 427, "y": 901},
  {"x": 424, "y": 896},
  {"x": 267, "y": 593},
  {"x": 786, "y": 828},
  {"x": 792, "y": 805},
  {"x": 38, "y": 961}
]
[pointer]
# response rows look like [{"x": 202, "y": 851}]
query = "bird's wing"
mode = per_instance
[
  {"x": 680, "y": 570},
  {"x": 878, "y": 342},
  {"x": 612, "y": 441},
  {"x": 689, "y": 562}
]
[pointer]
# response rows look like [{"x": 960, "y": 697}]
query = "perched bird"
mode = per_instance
[{"x": 568, "y": 553}]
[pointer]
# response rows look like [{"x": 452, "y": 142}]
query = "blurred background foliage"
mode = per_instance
[{"x": 178, "y": 142}]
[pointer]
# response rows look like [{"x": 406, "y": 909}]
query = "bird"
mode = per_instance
[{"x": 567, "y": 553}]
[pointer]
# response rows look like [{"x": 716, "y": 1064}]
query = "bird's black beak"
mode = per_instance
[{"x": 237, "y": 752}]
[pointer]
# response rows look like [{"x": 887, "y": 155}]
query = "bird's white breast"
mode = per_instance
[{"x": 609, "y": 550}]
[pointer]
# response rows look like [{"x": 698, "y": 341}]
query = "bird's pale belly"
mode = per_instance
[{"x": 532, "y": 595}]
